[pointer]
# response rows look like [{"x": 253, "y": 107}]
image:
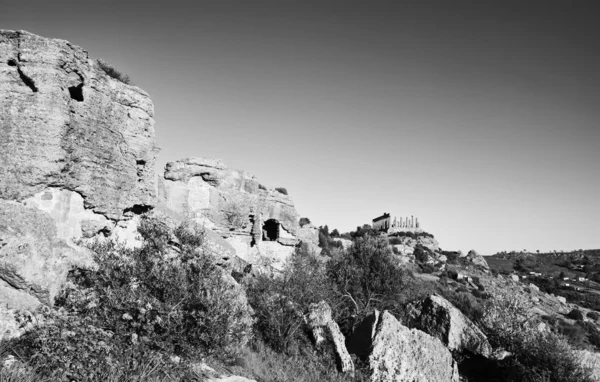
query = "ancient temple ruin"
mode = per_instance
[{"x": 406, "y": 224}]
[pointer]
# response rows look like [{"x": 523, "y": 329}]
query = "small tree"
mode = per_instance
[{"x": 366, "y": 277}]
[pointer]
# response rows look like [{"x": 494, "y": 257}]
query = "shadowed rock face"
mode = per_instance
[
  {"x": 438, "y": 317},
  {"x": 65, "y": 124}
]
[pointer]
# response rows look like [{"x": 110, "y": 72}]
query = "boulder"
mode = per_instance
[
  {"x": 397, "y": 353},
  {"x": 325, "y": 329},
  {"x": 438, "y": 317},
  {"x": 477, "y": 259},
  {"x": 34, "y": 263},
  {"x": 68, "y": 126}
]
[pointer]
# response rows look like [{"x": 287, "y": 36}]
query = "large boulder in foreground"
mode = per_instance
[
  {"x": 260, "y": 223},
  {"x": 34, "y": 263},
  {"x": 397, "y": 353},
  {"x": 66, "y": 125},
  {"x": 438, "y": 317},
  {"x": 325, "y": 329}
]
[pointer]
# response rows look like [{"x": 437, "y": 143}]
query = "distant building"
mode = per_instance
[
  {"x": 385, "y": 223},
  {"x": 382, "y": 222}
]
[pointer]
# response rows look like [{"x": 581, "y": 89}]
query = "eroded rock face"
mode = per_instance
[
  {"x": 397, "y": 353},
  {"x": 438, "y": 317},
  {"x": 34, "y": 263},
  {"x": 32, "y": 259},
  {"x": 65, "y": 124},
  {"x": 324, "y": 328},
  {"x": 260, "y": 223}
]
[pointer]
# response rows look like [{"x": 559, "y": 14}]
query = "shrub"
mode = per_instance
[
  {"x": 140, "y": 304},
  {"x": 593, "y": 315},
  {"x": 114, "y": 73},
  {"x": 236, "y": 213},
  {"x": 281, "y": 190},
  {"x": 366, "y": 277},
  {"x": 280, "y": 301},
  {"x": 575, "y": 314},
  {"x": 537, "y": 356},
  {"x": 304, "y": 221}
]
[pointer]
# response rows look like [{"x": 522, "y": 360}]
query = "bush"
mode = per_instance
[
  {"x": 593, "y": 315},
  {"x": 236, "y": 213},
  {"x": 281, "y": 190},
  {"x": 537, "y": 356},
  {"x": 575, "y": 314},
  {"x": 280, "y": 301},
  {"x": 142, "y": 304},
  {"x": 114, "y": 73},
  {"x": 304, "y": 221},
  {"x": 366, "y": 277}
]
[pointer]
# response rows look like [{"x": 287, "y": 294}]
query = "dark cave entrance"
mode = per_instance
[
  {"x": 271, "y": 230},
  {"x": 76, "y": 92}
]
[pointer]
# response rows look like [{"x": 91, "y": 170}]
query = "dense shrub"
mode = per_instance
[
  {"x": 304, "y": 221},
  {"x": 593, "y": 315},
  {"x": 281, "y": 190},
  {"x": 575, "y": 314},
  {"x": 114, "y": 73},
  {"x": 366, "y": 277},
  {"x": 236, "y": 213},
  {"x": 143, "y": 304},
  {"x": 537, "y": 355},
  {"x": 280, "y": 301}
]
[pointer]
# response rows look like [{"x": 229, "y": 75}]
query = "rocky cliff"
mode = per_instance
[
  {"x": 71, "y": 136},
  {"x": 260, "y": 223}
]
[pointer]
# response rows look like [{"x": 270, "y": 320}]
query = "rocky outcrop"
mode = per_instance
[
  {"x": 477, "y": 259},
  {"x": 397, "y": 353},
  {"x": 260, "y": 224},
  {"x": 34, "y": 263},
  {"x": 325, "y": 329},
  {"x": 74, "y": 142},
  {"x": 438, "y": 317}
]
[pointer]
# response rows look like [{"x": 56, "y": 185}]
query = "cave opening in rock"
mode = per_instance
[
  {"x": 271, "y": 230},
  {"x": 76, "y": 92},
  {"x": 12, "y": 62}
]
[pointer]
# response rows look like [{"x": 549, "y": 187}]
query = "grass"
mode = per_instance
[
  {"x": 114, "y": 73},
  {"x": 260, "y": 362}
]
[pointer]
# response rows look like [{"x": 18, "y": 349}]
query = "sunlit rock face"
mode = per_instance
[
  {"x": 65, "y": 124},
  {"x": 260, "y": 223}
]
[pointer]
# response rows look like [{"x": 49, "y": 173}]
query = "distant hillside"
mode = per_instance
[{"x": 574, "y": 275}]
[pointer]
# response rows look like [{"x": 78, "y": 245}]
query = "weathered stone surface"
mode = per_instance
[
  {"x": 234, "y": 205},
  {"x": 65, "y": 124},
  {"x": 34, "y": 263},
  {"x": 477, "y": 259},
  {"x": 396, "y": 353},
  {"x": 32, "y": 259},
  {"x": 324, "y": 328},
  {"x": 438, "y": 317}
]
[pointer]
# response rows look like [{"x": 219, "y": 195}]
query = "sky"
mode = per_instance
[{"x": 481, "y": 118}]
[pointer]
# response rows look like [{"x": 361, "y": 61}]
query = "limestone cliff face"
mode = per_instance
[
  {"x": 66, "y": 125},
  {"x": 77, "y": 152},
  {"x": 260, "y": 224}
]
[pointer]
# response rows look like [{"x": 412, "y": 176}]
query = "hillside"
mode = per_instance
[{"x": 108, "y": 273}]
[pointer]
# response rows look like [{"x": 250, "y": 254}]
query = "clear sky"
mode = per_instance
[{"x": 482, "y": 118}]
